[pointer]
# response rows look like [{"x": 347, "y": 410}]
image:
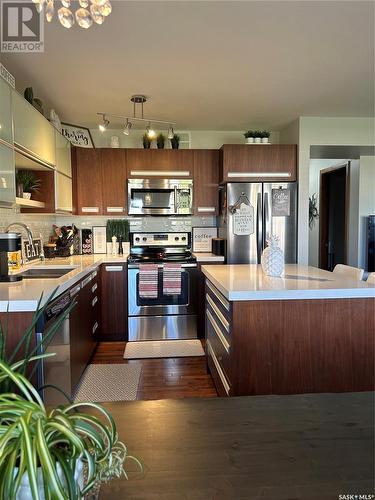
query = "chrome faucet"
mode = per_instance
[{"x": 28, "y": 230}]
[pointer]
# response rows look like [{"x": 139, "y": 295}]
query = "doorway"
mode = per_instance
[{"x": 334, "y": 210}]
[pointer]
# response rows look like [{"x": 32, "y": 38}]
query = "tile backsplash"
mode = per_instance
[{"x": 42, "y": 223}]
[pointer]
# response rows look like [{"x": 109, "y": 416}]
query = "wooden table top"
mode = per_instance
[{"x": 312, "y": 447}]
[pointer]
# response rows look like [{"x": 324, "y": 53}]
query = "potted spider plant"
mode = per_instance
[
  {"x": 61, "y": 453},
  {"x": 249, "y": 136},
  {"x": 265, "y": 137},
  {"x": 27, "y": 183},
  {"x": 160, "y": 140},
  {"x": 175, "y": 141}
]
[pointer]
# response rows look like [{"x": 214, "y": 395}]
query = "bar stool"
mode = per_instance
[{"x": 348, "y": 271}]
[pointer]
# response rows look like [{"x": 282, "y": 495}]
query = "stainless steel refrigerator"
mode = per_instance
[{"x": 249, "y": 212}]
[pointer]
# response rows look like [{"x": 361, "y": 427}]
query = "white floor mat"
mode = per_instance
[
  {"x": 109, "y": 382},
  {"x": 163, "y": 349}
]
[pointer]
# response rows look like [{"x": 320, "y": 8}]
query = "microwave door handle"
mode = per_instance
[{"x": 175, "y": 199}]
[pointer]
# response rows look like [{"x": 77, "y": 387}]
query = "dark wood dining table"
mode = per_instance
[{"x": 315, "y": 447}]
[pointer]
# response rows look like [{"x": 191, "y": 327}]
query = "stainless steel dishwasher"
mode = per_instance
[{"x": 56, "y": 369}]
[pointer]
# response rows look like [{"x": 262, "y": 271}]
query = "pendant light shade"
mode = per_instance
[
  {"x": 151, "y": 134},
  {"x": 127, "y": 128}
]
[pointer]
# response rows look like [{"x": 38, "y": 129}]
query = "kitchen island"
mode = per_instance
[
  {"x": 308, "y": 331},
  {"x": 308, "y": 447}
]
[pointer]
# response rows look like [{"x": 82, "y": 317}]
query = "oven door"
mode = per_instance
[{"x": 162, "y": 305}]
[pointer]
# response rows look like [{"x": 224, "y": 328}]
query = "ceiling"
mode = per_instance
[{"x": 215, "y": 65}]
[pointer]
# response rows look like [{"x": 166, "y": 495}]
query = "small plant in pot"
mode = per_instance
[
  {"x": 265, "y": 137},
  {"x": 160, "y": 141},
  {"x": 27, "y": 183},
  {"x": 175, "y": 141},
  {"x": 257, "y": 137},
  {"x": 146, "y": 141},
  {"x": 249, "y": 136}
]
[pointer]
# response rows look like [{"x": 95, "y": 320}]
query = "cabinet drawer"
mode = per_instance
[
  {"x": 222, "y": 305},
  {"x": 218, "y": 343},
  {"x": 221, "y": 382}
]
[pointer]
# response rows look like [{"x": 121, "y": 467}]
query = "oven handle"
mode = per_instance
[
  {"x": 175, "y": 199},
  {"x": 160, "y": 266}
]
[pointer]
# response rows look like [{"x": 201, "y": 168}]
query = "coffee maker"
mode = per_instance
[{"x": 9, "y": 242}]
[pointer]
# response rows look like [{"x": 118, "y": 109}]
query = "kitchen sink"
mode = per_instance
[{"x": 46, "y": 273}]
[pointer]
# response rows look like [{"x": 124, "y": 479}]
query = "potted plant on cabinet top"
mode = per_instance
[
  {"x": 257, "y": 137},
  {"x": 175, "y": 141},
  {"x": 146, "y": 141},
  {"x": 160, "y": 140},
  {"x": 265, "y": 137},
  {"x": 249, "y": 136},
  {"x": 27, "y": 183}
]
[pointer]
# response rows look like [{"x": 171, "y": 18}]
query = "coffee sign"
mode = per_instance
[
  {"x": 280, "y": 202},
  {"x": 202, "y": 238}
]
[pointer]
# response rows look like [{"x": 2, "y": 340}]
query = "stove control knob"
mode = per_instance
[
  {"x": 144, "y": 238},
  {"x": 176, "y": 238},
  {"x": 183, "y": 238},
  {"x": 137, "y": 239}
]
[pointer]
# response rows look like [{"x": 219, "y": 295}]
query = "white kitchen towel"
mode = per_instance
[
  {"x": 148, "y": 281},
  {"x": 172, "y": 279}
]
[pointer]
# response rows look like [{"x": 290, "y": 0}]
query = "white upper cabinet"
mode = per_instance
[
  {"x": 63, "y": 158},
  {"x": 32, "y": 132},
  {"x": 6, "y": 132},
  {"x": 63, "y": 193},
  {"x": 7, "y": 176}
]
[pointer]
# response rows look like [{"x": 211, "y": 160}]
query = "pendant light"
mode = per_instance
[
  {"x": 127, "y": 127},
  {"x": 103, "y": 126},
  {"x": 170, "y": 132}
]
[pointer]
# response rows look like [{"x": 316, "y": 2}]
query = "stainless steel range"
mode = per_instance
[{"x": 162, "y": 316}]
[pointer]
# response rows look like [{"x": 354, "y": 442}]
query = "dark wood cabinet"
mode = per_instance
[
  {"x": 114, "y": 189},
  {"x": 87, "y": 181},
  {"x": 206, "y": 181},
  {"x": 113, "y": 280},
  {"x": 261, "y": 162},
  {"x": 160, "y": 162},
  {"x": 84, "y": 325}
]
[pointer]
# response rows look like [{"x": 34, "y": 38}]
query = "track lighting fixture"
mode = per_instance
[
  {"x": 128, "y": 126},
  {"x": 170, "y": 132},
  {"x": 103, "y": 126},
  {"x": 151, "y": 134}
]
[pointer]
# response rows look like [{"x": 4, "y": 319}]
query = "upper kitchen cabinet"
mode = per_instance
[
  {"x": 172, "y": 163},
  {"x": 87, "y": 181},
  {"x": 113, "y": 171},
  {"x": 6, "y": 130},
  {"x": 206, "y": 180},
  {"x": 33, "y": 134},
  {"x": 7, "y": 176},
  {"x": 263, "y": 162},
  {"x": 63, "y": 154}
]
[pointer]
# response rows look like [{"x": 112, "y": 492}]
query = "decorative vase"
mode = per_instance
[
  {"x": 265, "y": 140},
  {"x": 272, "y": 259},
  {"x": 249, "y": 140},
  {"x": 26, "y": 196},
  {"x": 257, "y": 140},
  {"x": 115, "y": 143},
  {"x": 24, "y": 491},
  {"x": 19, "y": 190}
]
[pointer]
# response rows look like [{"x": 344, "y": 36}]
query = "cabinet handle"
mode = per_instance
[
  {"x": 259, "y": 174},
  {"x": 94, "y": 210},
  {"x": 95, "y": 327},
  {"x": 220, "y": 298},
  {"x": 218, "y": 367},
  {"x": 206, "y": 209},
  {"x": 94, "y": 301},
  {"x": 94, "y": 287},
  {"x": 218, "y": 313},
  {"x": 114, "y": 269},
  {"x": 86, "y": 281},
  {"x": 74, "y": 291},
  {"x": 115, "y": 209},
  {"x": 94, "y": 274},
  {"x": 216, "y": 328},
  {"x": 169, "y": 173}
]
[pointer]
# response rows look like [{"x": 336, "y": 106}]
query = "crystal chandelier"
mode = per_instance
[{"x": 87, "y": 13}]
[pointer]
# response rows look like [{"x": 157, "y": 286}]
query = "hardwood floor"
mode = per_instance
[{"x": 166, "y": 378}]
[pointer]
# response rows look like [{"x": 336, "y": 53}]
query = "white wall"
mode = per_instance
[
  {"x": 200, "y": 139},
  {"x": 330, "y": 131},
  {"x": 366, "y": 203}
]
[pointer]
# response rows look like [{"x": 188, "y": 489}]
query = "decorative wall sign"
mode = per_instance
[
  {"x": 99, "y": 237},
  {"x": 8, "y": 77},
  {"x": 280, "y": 202},
  {"x": 202, "y": 238},
  {"x": 78, "y": 136},
  {"x": 31, "y": 252},
  {"x": 243, "y": 220}
]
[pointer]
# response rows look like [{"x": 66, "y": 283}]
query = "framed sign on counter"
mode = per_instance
[
  {"x": 202, "y": 238},
  {"x": 99, "y": 237}
]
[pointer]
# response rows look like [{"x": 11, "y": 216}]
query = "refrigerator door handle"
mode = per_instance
[
  {"x": 259, "y": 227},
  {"x": 266, "y": 219}
]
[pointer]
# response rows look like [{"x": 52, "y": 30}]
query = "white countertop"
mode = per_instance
[
  {"x": 24, "y": 295},
  {"x": 208, "y": 257},
  {"x": 248, "y": 282}
]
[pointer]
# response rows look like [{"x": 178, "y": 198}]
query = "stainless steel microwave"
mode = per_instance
[{"x": 160, "y": 196}]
